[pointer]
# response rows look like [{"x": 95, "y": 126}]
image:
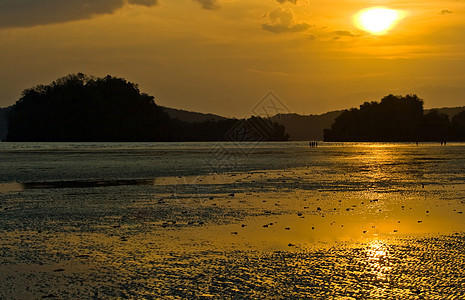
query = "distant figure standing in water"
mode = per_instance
[{"x": 313, "y": 144}]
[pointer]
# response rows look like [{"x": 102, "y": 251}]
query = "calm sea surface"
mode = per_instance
[{"x": 332, "y": 165}]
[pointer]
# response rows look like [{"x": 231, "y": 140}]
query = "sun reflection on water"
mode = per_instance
[
  {"x": 378, "y": 260},
  {"x": 383, "y": 165}
]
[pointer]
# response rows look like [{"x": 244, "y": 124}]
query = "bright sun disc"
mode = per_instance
[{"x": 377, "y": 20}]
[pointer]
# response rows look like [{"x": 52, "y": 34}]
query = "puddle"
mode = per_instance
[{"x": 11, "y": 187}]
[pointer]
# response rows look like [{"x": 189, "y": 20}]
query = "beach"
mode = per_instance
[{"x": 232, "y": 220}]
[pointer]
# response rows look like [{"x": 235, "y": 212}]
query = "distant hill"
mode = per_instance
[
  {"x": 299, "y": 127},
  {"x": 449, "y": 111},
  {"x": 305, "y": 128},
  {"x": 190, "y": 116}
]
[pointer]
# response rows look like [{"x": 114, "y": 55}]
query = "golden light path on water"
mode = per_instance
[{"x": 378, "y": 259}]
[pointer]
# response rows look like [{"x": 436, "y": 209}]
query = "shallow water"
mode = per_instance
[{"x": 226, "y": 220}]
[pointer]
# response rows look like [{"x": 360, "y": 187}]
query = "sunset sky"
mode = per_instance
[{"x": 224, "y": 56}]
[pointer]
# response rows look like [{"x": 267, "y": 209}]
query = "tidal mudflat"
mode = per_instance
[{"x": 206, "y": 220}]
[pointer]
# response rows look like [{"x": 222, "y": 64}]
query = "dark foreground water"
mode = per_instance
[{"x": 226, "y": 220}]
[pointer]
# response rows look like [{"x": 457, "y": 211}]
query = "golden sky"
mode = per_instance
[{"x": 223, "y": 56}]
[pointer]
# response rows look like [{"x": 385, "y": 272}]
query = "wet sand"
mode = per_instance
[
  {"x": 380, "y": 231},
  {"x": 228, "y": 240}
]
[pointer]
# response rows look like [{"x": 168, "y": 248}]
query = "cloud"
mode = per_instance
[
  {"x": 25, "y": 13},
  {"x": 290, "y": 1},
  {"x": 343, "y": 33},
  {"x": 144, "y": 2},
  {"x": 208, "y": 4},
  {"x": 445, "y": 12},
  {"x": 282, "y": 21}
]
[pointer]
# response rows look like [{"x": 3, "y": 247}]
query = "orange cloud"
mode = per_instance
[
  {"x": 282, "y": 20},
  {"x": 208, "y": 4}
]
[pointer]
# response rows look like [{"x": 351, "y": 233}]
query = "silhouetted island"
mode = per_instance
[
  {"x": 395, "y": 119},
  {"x": 81, "y": 108},
  {"x": 4, "y": 122}
]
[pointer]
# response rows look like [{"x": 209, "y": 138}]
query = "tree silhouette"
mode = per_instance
[
  {"x": 79, "y": 108},
  {"x": 436, "y": 127},
  {"x": 458, "y": 126},
  {"x": 83, "y": 108},
  {"x": 395, "y": 118}
]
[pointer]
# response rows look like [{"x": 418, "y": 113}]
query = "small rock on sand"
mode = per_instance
[{"x": 58, "y": 270}]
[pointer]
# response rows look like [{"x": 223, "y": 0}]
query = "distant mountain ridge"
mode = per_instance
[
  {"x": 306, "y": 127},
  {"x": 299, "y": 127},
  {"x": 449, "y": 111},
  {"x": 190, "y": 116}
]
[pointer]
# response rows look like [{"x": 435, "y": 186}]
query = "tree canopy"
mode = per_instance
[
  {"x": 82, "y": 108},
  {"x": 394, "y": 119},
  {"x": 458, "y": 126}
]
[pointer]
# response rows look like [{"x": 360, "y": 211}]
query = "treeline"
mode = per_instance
[
  {"x": 246, "y": 130},
  {"x": 395, "y": 119},
  {"x": 3, "y": 122},
  {"x": 81, "y": 108}
]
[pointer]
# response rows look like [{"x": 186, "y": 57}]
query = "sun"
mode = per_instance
[{"x": 377, "y": 20}]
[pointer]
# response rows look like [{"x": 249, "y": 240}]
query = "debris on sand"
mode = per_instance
[{"x": 58, "y": 270}]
